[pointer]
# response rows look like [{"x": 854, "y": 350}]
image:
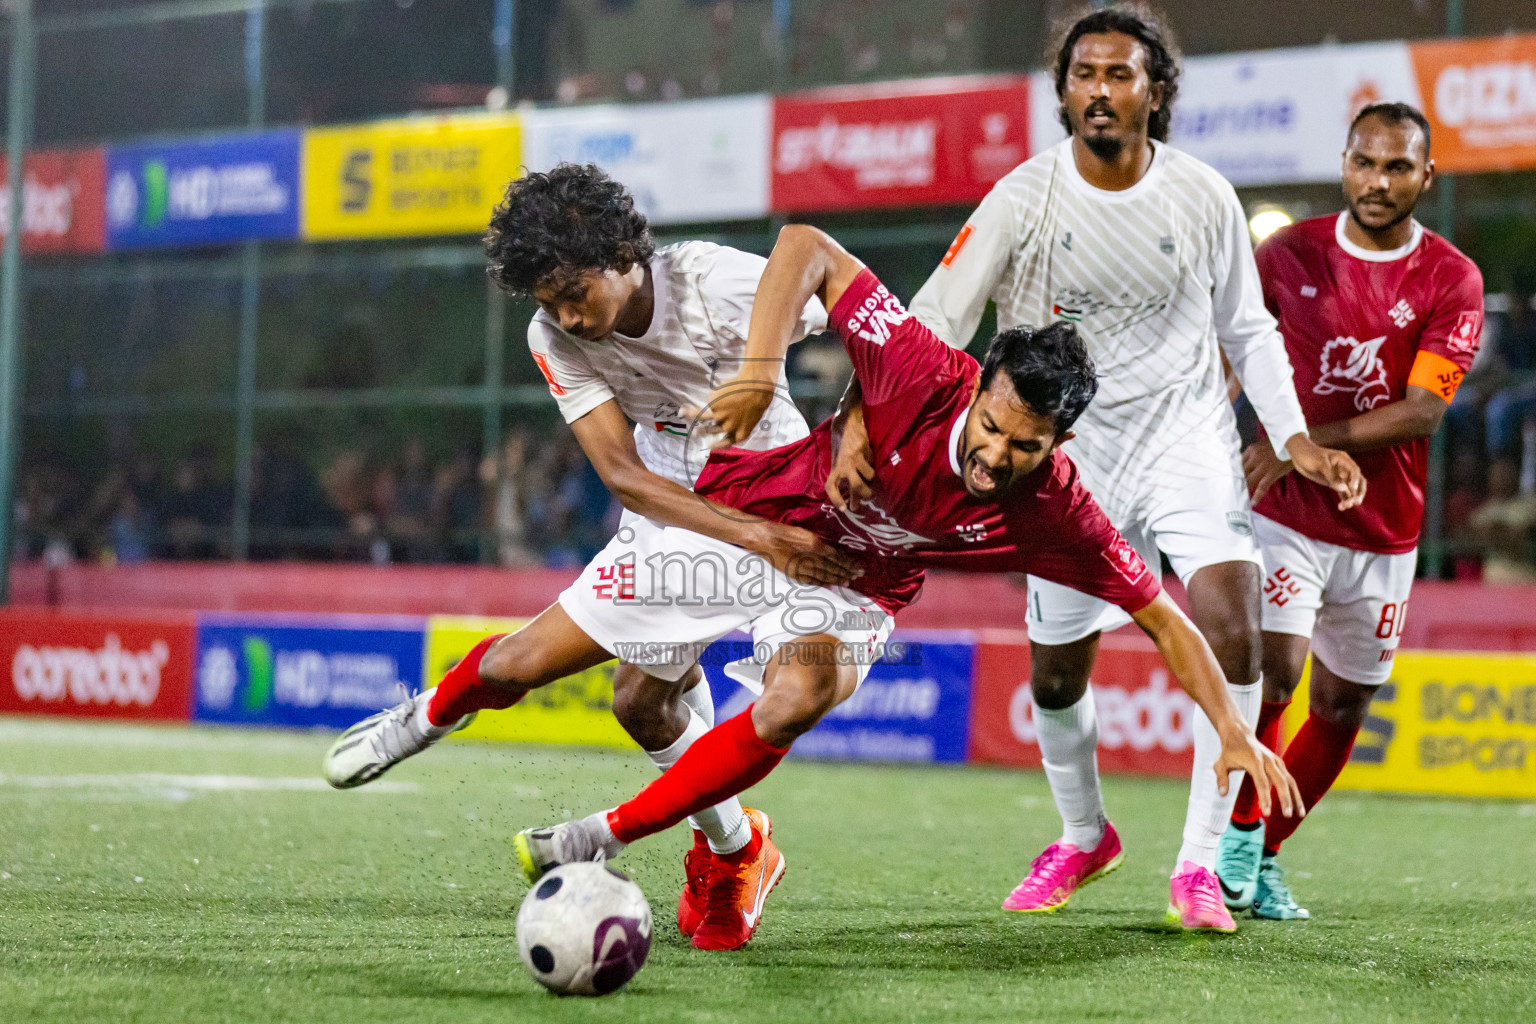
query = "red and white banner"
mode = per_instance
[
  {"x": 96, "y": 666},
  {"x": 1145, "y": 719},
  {"x": 63, "y": 201},
  {"x": 944, "y": 140}
]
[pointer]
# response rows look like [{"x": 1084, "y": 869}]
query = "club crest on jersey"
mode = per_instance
[
  {"x": 876, "y": 316},
  {"x": 1354, "y": 366},
  {"x": 1125, "y": 560},
  {"x": 1469, "y": 329}
]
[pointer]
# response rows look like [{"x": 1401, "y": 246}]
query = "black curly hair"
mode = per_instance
[
  {"x": 1049, "y": 367},
  {"x": 553, "y": 227},
  {"x": 1145, "y": 25}
]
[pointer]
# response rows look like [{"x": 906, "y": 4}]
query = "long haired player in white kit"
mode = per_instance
[
  {"x": 1381, "y": 318},
  {"x": 1146, "y": 250},
  {"x": 629, "y": 333}
]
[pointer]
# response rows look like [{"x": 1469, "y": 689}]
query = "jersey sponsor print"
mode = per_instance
[
  {"x": 917, "y": 392},
  {"x": 1360, "y": 326}
]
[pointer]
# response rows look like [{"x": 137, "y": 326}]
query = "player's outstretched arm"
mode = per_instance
[
  {"x": 604, "y": 435},
  {"x": 805, "y": 262},
  {"x": 1196, "y": 669}
]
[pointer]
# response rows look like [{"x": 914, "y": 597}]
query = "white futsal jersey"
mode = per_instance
[
  {"x": 698, "y": 333},
  {"x": 1154, "y": 276}
]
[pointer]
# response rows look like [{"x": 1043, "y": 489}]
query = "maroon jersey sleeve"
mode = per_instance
[
  {"x": 891, "y": 350},
  {"x": 1089, "y": 555},
  {"x": 1455, "y": 324}
]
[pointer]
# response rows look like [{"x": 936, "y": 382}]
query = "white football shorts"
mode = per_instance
[
  {"x": 657, "y": 596},
  {"x": 1207, "y": 523},
  {"x": 1351, "y": 603}
]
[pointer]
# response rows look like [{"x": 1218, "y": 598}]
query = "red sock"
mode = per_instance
[
  {"x": 1315, "y": 757},
  {"x": 1246, "y": 810},
  {"x": 463, "y": 691},
  {"x": 721, "y": 763}
]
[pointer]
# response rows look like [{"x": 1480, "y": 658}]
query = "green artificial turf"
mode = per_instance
[{"x": 149, "y": 897}]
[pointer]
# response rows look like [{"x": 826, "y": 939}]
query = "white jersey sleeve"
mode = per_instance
[
  {"x": 1248, "y": 334},
  {"x": 730, "y": 286},
  {"x": 951, "y": 301},
  {"x": 577, "y": 387}
]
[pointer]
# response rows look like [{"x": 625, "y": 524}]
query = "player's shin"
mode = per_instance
[
  {"x": 1246, "y": 813},
  {"x": 1315, "y": 758},
  {"x": 1209, "y": 811},
  {"x": 724, "y": 824},
  {"x": 1069, "y": 739},
  {"x": 463, "y": 692},
  {"x": 724, "y": 761}
]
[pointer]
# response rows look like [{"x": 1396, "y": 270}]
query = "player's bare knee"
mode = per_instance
[
  {"x": 649, "y": 708},
  {"x": 1234, "y": 639},
  {"x": 1340, "y": 702}
]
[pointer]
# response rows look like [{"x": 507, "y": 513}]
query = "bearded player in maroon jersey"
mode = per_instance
[
  {"x": 971, "y": 477},
  {"x": 1381, "y": 319}
]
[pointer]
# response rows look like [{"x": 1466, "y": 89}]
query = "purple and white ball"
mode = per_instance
[{"x": 584, "y": 929}]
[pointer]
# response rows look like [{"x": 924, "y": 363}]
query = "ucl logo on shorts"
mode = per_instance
[
  {"x": 1280, "y": 588},
  {"x": 615, "y": 582}
]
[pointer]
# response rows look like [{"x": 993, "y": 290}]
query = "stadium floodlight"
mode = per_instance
[{"x": 1266, "y": 221}]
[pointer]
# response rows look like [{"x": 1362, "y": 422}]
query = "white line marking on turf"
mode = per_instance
[{"x": 208, "y": 783}]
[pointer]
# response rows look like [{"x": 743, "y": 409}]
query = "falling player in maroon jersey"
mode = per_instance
[
  {"x": 971, "y": 477},
  {"x": 1381, "y": 319}
]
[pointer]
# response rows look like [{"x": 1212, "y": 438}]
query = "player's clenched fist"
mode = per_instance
[
  {"x": 1329, "y": 467},
  {"x": 802, "y": 556},
  {"x": 733, "y": 410},
  {"x": 850, "y": 483}
]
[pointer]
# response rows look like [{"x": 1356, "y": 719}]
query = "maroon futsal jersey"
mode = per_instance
[
  {"x": 1360, "y": 326},
  {"x": 917, "y": 391}
]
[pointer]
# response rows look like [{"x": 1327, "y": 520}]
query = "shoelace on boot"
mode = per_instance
[
  {"x": 1044, "y": 871},
  {"x": 1203, "y": 893},
  {"x": 698, "y": 867},
  {"x": 387, "y": 738},
  {"x": 722, "y": 895}
]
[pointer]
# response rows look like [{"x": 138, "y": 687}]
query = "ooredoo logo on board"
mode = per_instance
[{"x": 96, "y": 666}]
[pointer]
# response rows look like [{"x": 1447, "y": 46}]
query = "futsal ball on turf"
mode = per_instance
[{"x": 584, "y": 929}]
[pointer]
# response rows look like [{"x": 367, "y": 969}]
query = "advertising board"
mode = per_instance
[
  {"x": 204, "y": 191},
  {"x": 96, "y": 666}
]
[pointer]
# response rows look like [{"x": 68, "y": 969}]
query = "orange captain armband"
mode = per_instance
[{"x": 1434, "y": 372}]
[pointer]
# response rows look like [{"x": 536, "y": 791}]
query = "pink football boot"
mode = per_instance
[{"x": 1062, "y": 870}]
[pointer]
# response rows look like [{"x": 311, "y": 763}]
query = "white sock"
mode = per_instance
[
  {"x": 1209, "y": 811},
  {"x": 423, "y": 722},
  {"x": 702, "y": 702},
  {"x": 724, "y": 825},
  {"x": 1069, "y": 740},
  {"x": 596, "y": 827}
]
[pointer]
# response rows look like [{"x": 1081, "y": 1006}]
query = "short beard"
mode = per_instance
[
  {"x": 1389, "y": 225},
  {"x": 1106, "y": 147}
]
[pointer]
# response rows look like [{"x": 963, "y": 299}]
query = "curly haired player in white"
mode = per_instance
[
  {"x": 629, "y": 333},
  {"x": 1146, "y": 250}
]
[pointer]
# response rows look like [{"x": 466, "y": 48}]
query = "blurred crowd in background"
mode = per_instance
[{"x": 539, "y": 502}]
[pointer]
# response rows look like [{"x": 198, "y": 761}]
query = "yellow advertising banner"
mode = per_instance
[
  {"x": 1446, "y": 723},
  {"x": 416, "y": 176},
  {"x": 577, "y": 710}
]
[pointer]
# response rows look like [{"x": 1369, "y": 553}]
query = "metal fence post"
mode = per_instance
[
  {"x": 250, "y": 300},
  {"x": 18, "y": 129}
]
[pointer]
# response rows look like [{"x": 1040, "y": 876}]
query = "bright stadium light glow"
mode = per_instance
[{"x": 1267, "y": 221}]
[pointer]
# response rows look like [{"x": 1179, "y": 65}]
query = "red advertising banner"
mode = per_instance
[
  {"x": 898, "y": 143},
  {"x": 96, "y": 666},
  {"x": 63, "y": 201},
  {"x": 1145, "y": 719}
]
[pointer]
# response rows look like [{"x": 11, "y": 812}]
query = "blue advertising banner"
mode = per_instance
[
  {"x": 304, "y": 670},
  {"x": 913, "y": 706},
  {"x": 211, "y": 190}
]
